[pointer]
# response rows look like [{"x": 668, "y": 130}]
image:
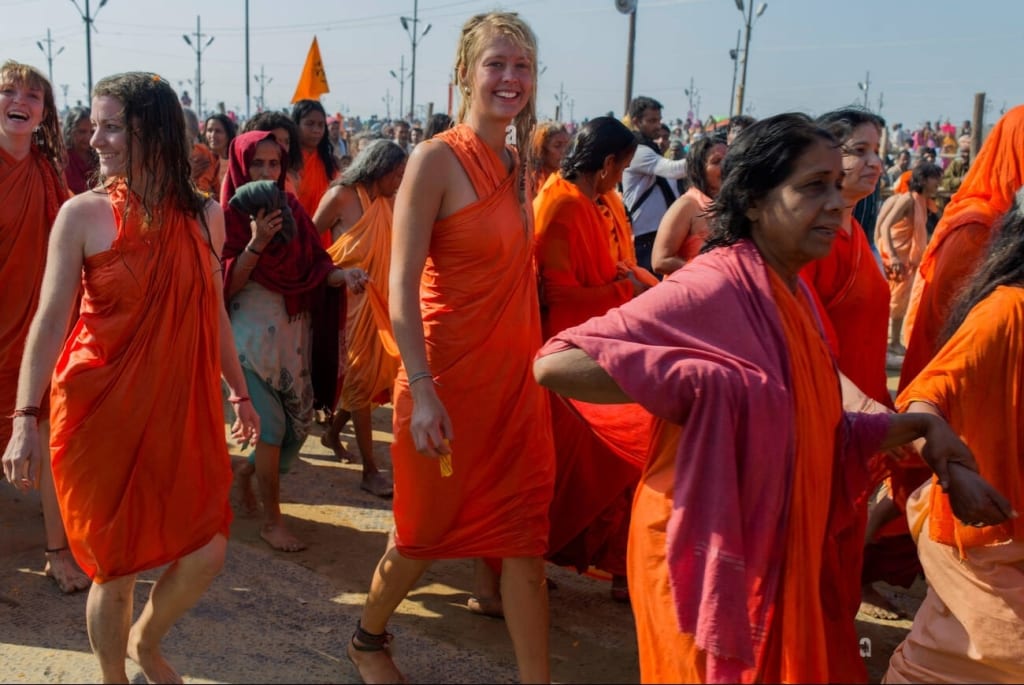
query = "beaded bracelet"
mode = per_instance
[{"x": 419, "y": 376}]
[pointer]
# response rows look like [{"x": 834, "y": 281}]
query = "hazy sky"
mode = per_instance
[{"x": 926, "y": 58}]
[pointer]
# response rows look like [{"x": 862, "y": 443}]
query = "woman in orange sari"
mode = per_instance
[
  {"x": 31, "y": 193},
  {"x": 684, "y": 227},
  {"x": 586, "y": 266},
  {"x": 547, "y": 148},
  {"x": 473, "y": 457},
  {"x": 153, "y": 490},
  {"x": 752, "y": 458},
  {"x": 319, "y": 165},
  {"x": 969, "y": 627}
]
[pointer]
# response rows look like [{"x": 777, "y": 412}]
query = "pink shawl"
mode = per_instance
[{"x": 706, "y": 349}]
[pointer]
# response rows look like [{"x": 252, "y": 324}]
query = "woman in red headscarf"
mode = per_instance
[{"x": 274, "y": 273}]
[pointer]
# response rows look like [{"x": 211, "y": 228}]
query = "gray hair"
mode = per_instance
[
  {"x": 74, "y": 116},
  {"x": 376, "y": 159}
]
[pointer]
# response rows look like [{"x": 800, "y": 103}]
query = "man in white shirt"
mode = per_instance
[{"x": 646, "y": 190}]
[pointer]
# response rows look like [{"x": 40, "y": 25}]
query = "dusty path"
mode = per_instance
[{"x": 276, "y": 617}]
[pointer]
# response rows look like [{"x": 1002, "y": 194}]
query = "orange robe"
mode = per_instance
[
  {"x": 855, "y": 296},
  {"x": 30, "y": 195},
  {"x": 370, "y": 370},
  {"x": 313, "y": 183},
  {"x": 736, "y": 545},
  {"x": 580, "y": 244},
  {"x": 140, "y": 462},
  {"x": 909, "y": 238},
  {"x": 209, "y": 180},
  {"x": 481, "y": 323},
  {"x": 961, "y": 237},
  {"x": 969, "y": 629}
]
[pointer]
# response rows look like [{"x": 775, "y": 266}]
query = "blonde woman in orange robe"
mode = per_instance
[
  {"x": 145, "y": 251},
  {"x": 969, "y": 627},
  {"x": 473, "y": 457},
  {"x": 31, "y": 192},
  {"x": 357, "y": 211},
  {"x": 731, "y": 546}
]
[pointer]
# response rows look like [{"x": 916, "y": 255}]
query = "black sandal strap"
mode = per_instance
[
  {"x": 370, "y": 642},
  {"x": 56, "y": 550}
]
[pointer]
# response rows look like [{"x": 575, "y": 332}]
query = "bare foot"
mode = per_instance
[
  {"x": 280, "y": 538},
  {"x": 61, "y": 566},
  {"x": 875, "y": 604},
  {"x": 377, "y": 484},
  {"x": 620, "y": 589},
  {"x": 332, "y": 441},
  {"x": 244, "y": 472},
  {"x": 486, "y": 606},
  {"x": 151, "y": 661},
  {"x": 374, "y": 666}
]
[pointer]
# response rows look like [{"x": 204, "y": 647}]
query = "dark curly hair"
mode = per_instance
[
  {"x": 156, "y": 124},
  {"x": 229, "y": 127},
  {"x": 761, "y": 158},
  {"x": 921, "y": 173},
  {"x": 593, "y": 142}
]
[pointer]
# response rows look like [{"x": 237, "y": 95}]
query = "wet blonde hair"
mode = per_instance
[
  {"x": 476, "y": 33},
  {"x": 49, "y": 137}
]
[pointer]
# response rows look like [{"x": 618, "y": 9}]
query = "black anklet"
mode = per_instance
[
  {"x": 55, "y": 551},
  {"x": 371, "y": 642}
]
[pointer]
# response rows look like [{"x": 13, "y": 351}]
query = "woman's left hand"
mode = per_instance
[
  {"x": 356, "y": 280},
  {"x": 943, "y": 447},
  {"x": 246, "y": 428}
]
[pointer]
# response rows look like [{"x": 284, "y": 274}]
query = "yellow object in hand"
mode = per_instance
[{"x": 446, "y": 461}]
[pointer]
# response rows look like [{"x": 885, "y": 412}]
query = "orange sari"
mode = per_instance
[
  {"x": 961, "y": 237},
  {"x": 31, "y": 193},
  {"x": 142, "y": 492},
  {"x": 909, "y": 238},
  {"x": 370, "y": 370},
  {"x": 580, "y": 244},
  {"x": 481, "y": 323},
  {"x": 313, "y": 183}
]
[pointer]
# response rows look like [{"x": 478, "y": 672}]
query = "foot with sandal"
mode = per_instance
[{"x": 370, "y": 653}]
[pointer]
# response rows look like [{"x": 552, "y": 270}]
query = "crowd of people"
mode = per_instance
[{"x": 686, "y": 334}]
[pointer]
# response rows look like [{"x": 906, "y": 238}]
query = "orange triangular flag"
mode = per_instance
[{"x": 313, "y": 82}]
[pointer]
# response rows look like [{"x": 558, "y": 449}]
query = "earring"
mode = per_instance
[{"x": 603, "y": 174}]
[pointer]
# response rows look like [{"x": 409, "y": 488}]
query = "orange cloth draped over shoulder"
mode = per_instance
[
  {"x": 140, "y": 493},
  {"x": 209, "y": 180},
  {"x": 313, "y": 183},
  {"x": 600, "y": 449},
  {"x": 903, "y": 182},
  {"x": 960, "y": 239},
  {"x": 855, "y": 297},
  {"x": 31, "y": 193},
  {"x": 370, "y": 370},
  {"x": 802, "y": 643},
  {"x": 481, "y": 324},
  {"x": 909, "y": 238},
  {"x": 977, "y": 382}
]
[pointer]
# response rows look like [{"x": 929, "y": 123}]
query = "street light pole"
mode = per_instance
[
  {"x": 198, "y": 47},
  {"x": 248, "y": 81},
  {"x": 400, "y": 77},
  {"x": 865, "y": 85},
  {"x": 630, "y": 49},
  {"x": 415, "y": 37},
  {"x": 48, "y": 51},
  {"x": 89, "y": 19},
  {"x": 746, "y": 48},
  {"x": 735, "y": 54}
]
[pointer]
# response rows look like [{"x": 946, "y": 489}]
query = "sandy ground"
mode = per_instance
[{"x": 273, "y": 617}]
